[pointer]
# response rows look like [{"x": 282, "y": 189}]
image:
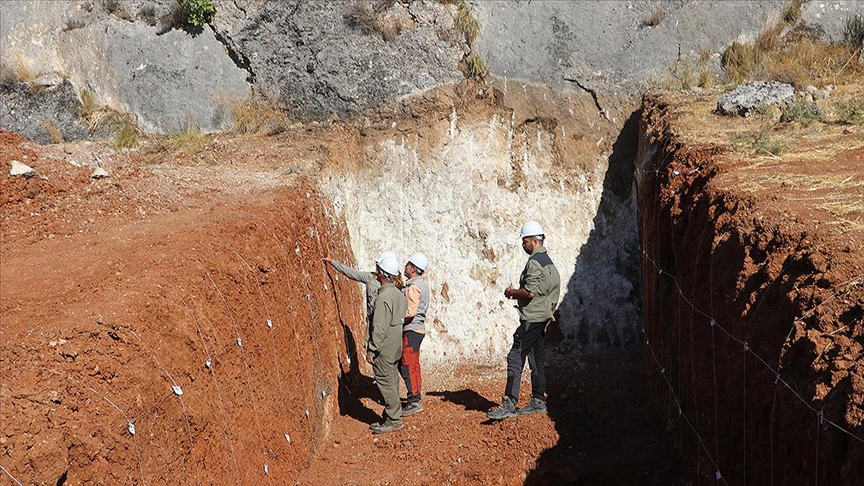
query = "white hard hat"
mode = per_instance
[
  {"x": 389, "y": 265},
  {"x": 383, "y": 255},
  {"x": 420, "y": 261},
  {"x": 531, "y": 228}
]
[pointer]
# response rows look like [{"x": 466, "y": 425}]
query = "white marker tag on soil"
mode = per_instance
[
  {"x": 323, "y": 393},
  {"x": 266, "y": 469},
  {"x": 240, "y": 342},
  {"x": 131, "y": 428},
  {"x": 307, "y": 413},
  {"x": 349, "y": 361},
  {"x": 325, "y": 286},
  {"x": 288, "y": 438},
  {"x": 177, "y": 390},
  {"x": 208, "y": 363},
  {"x": 269, "y": 324}
]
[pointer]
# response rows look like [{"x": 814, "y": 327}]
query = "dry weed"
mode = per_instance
[
  {"x": 654, "y": 19},
  {"x": 800, "y": 61},
  {"x": 53, "y": 132},
  {"x": 258, "y": 114}
]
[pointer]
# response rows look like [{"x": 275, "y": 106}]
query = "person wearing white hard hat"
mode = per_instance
[
  {"x": 536, "y": 299},
  {"x": 417, "y": 293},
  {"x": 384, "y": 348},
  {"x": 366, "y": 278}
]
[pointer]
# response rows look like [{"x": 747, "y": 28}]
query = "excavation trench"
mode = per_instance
[{"x": 175, "y": 324}]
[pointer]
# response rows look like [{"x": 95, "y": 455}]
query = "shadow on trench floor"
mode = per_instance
[
  {"x": 602, "y": 429},
  {"x": 610, "y": 429}
]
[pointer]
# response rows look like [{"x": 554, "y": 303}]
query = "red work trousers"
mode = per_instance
[{"x": 410, "y": 365}]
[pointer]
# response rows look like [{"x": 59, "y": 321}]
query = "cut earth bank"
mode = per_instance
[{"x": 752, "y": 273}]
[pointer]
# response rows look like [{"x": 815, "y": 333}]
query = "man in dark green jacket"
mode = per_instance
[
  {"x": 384, "y": 348},
  {"x": 536, "y": 299}
]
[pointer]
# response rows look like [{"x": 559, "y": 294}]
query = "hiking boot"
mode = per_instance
[
  {"x": 507, "y": 409},
  {"x": 412, "y": 408},
  {"x": 388, "y": 426},
  {"x": 535, "y": 405}
]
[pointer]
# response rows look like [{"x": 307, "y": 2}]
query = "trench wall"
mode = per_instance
[
  {"x": 459, "y": 181},
  {"x": 229, "y": 305},
  {"x": 738, "y": 311}
]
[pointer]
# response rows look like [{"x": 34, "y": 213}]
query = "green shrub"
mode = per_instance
[
  {"x": 199, "y": 12},
  {"x": 850, "y": 112},
  {"x": 758, "y": 143},
  {"x": 802, "y": 111}
]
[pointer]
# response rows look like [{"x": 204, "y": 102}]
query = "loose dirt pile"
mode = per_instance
[{"x": 753, "y": 277}]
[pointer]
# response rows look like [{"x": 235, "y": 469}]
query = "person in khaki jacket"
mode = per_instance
[
  {"x": 536, "y": 299},
  {"x": 368, "y": 279},
  {"x": 384, "y": 349}
]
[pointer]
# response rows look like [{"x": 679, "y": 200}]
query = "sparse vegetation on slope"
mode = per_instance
[{"x": 795, "y": 56}]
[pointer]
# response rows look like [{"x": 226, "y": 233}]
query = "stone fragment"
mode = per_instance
[
  {"x": 17, "y": 168},
  {"x": 752, "y": 96},
  {"x": 100, "y": 173}
]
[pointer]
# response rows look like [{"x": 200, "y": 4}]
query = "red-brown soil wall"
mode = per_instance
[
  {"x": 98, "y": 327},
  {"x": 785, "y": 296}
]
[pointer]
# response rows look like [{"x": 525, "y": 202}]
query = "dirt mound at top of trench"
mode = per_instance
[{"x": 166, "y": 337}]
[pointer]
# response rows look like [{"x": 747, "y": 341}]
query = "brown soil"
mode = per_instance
[
  {"x": 771, "y": 248},
  {"x": 114, "y": 291}
]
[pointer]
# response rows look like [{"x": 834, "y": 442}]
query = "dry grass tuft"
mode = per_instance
[
  {"x": 123, "y": 126},
  {"x": 53, "y": 132},
  {"x": 466, "y": 23},
  {"x": 800, "y": 61},
  {"x": 474, "y": 67},
  {"x": 654, "y": 19},
  {"x": 258, "y": 114},
  {"x": 374, "y": 18},
  {"x": 792, "y": 12}
]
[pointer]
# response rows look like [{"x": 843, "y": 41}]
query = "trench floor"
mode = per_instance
[{"x": 602, "y": 429}]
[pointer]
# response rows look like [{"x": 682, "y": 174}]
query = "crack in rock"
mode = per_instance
[{"x": 240, "y": 59}]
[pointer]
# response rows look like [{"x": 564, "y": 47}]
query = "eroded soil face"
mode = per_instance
[
  {"x": 753, "y": 277},
  {"x": 200, "y": 316}
]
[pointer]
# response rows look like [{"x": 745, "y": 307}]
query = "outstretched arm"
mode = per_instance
[{"x": 353, "y": 274}]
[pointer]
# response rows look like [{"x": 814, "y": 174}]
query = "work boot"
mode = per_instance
[
  {"x": 535, "y": 405},
  {"x": 506, "y": 410},
  {"x": 412, "y": 408},
  {"x": 388, "y": 426}
]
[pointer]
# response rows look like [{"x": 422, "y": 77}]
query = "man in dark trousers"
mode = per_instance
[
  {"x": 384, "y": 348},
  {"x": 536, "y": 299}
]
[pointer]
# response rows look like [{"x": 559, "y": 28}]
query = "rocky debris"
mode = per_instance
[
  {"x": 41, "y": 112},
  {"x": 751, "y": 96},
  {"x": 100, "y": 173},
  {"x": 17, "y": 168}
]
